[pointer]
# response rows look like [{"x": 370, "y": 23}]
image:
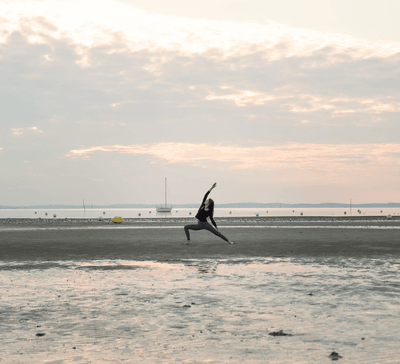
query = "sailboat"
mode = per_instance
[{"x": 165, "y": 207}]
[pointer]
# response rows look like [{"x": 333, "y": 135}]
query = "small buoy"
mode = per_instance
[
  {"x": 54, "y": 215},
  {"x": 389, "y": 216},
  {"x": 139, "y": 214},
  {"x": 293, "y": 210},
  {"x": 45, "y": 213},
  {"x": 104, "y": 212},
  {"x": 381, "y": 211},
  {"x": 35, "y": 212},
  {"x": 100, "y": 218},
  {"x": 190, "y": 213},
  {"x": 301, "y": 213},
  {"x": 267, "y": 211},
  {"x": 257, "y": 214},
  {"x": 117, "y": 219},
  {"x": 230, "y": 212},
  {"x": 149, "y": 212},
  {"x": 345, "y": 212}
]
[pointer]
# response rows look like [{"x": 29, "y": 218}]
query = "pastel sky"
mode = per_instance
[{"x": 291, "y": 102}]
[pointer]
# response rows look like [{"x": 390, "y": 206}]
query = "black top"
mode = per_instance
[{"x": 202, "y": 214}]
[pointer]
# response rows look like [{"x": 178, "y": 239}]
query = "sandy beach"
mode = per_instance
[
  {"x": 155, "y": 239},
  {"x": 91, "y": 291}
]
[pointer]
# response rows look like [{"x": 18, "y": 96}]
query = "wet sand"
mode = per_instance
[
  {"x": 90, "y": 291},
  {"x": 162, "y": 240}
]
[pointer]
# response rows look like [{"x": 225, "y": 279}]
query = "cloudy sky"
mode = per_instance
[{"x": 291, "y": 102}]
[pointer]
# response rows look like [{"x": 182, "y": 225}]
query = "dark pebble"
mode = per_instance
[
  {"x": 40, "y": 334},
  {"x": 186, "y": 306},
  {"x": 279, "y": 333},
  {"x": 335, "y": 356}
]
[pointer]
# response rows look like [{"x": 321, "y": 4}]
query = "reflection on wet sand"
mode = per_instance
[{"x": 214, "y": 310}]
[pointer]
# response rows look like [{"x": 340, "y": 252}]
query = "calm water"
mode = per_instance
[
  {"x": 219, "y": 212},
  {"x": 192, "y": 311}
]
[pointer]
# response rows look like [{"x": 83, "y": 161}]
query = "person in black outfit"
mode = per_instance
[{"x": 206, "y": 210}]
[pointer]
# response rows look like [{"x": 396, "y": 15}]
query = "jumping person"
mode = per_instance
[{"x": 206, "y": 210}]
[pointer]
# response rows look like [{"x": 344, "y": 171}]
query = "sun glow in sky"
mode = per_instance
[{"x": 95, "y": 95}]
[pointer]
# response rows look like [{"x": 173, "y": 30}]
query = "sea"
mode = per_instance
[{"x": 191, "y": 212}]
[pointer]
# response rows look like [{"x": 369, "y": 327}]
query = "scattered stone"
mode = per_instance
[
  {"x": 193, "y": 303},
  {"x": 311, "y": 294},
  {"x": 334, "y": 356},
  {"x": 40, "y": 334},
  {"x": 279, "y": 333},
  {"x": 74, "y": 347},
  {"x": 39, "y": 326},
  {"x": 186, "y": 306}
]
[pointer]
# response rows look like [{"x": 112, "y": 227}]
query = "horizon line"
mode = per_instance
[{"x": 222, "y": 205}]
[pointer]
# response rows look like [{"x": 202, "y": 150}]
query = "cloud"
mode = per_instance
[
  {"x": 20, "y": 131},
  {"x": 89, "y": 25},
  {"x": 17, "y": 131},
  {"x": 242, "y": 98},
  {"x": 298, "y": 156},
  {"x": 160, "y": 94},
  {"x": 105, "y": 80}
]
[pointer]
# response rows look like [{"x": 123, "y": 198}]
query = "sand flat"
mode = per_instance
[
  {"x": 163, "y": 242},
  {"x": 132, "y": 293}
]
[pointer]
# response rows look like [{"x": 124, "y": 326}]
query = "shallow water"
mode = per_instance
[{"x": 130, "y": 311}]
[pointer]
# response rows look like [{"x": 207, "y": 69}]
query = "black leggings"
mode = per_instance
[{"x": 203, "y": 226}]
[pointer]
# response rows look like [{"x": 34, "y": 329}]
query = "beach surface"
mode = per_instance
[
  {"x": 33, "y": 240},
  {"x": 289, "y": 291}
]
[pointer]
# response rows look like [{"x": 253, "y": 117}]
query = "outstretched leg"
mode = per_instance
[
  {"x": 204, "y": 226},
  {"x": 210, "y": 228}
]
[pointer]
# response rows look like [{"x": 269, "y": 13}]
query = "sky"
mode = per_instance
[{"x": 290, "y": 101}]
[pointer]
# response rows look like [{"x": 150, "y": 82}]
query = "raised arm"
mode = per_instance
[{"x": 208, "y": 192}]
